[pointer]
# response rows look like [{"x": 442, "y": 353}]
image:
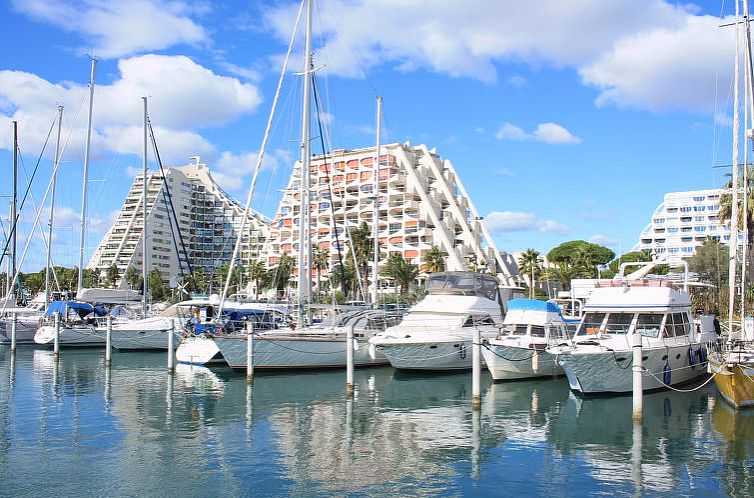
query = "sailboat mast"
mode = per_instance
[
  {"x": 303, "y": 283},
  {"x": 82, "y": 240},
  {"x": 15, "y": 202},
  {"x": 144, "y": 273},
  {"x": 52, "y": 208},
  {"x": 733, "y": 261},
  {"x": 750, "y": 112},
  {"x": 375, "y": 207}
]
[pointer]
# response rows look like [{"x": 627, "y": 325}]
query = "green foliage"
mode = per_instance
[
  {"x": 343, "y": 276},
  {"x": 576, "y": 259},
  {"x": 133, "y": 277},
  {"x": 710, "y": 262},
  {"x": 630, "y": 257},
  {"x": 434, "y": 261},
  {"x": 401, "y": 271},
  {"x": 158, "y": 289},
  {"x": 111, "y": 276},
  {"x": 281, "y": 274}
]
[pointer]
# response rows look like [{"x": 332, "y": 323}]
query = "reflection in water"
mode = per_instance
[{"x": 206, "y": 431}]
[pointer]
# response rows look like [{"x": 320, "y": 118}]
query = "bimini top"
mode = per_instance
[
  {"x": 82, "y": 309},
  {"x": 463, "y": 283},
  {"x": 532, "y": 305}
]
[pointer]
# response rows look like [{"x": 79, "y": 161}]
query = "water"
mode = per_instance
[{"x": 71, "y": 428}]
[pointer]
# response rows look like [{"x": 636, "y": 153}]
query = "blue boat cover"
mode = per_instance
[
  {"x": 82, "y": 309},
  {"x": 532, "y": 305}
]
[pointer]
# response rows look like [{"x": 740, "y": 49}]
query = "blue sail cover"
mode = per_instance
[
  {"x": 82, "y": 309},
  {"x": 532, "y": 305}
]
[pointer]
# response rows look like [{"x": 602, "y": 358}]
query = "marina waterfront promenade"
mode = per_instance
[{"x": 73, "y": 427}]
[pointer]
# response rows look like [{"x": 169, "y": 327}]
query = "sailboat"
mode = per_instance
[{"x": 733, "y": 366}]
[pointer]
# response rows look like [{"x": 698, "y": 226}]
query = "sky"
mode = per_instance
[{"x": 564, "y": 119}]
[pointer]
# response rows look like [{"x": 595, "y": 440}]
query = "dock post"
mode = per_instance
[
  {"x": 13, "y": 328},
  {"x": 56, "y": 341},
  {"x": 476, "y": 367},
  {"x": 171, "y": 352},
  {"x": 249, "y": 353},
  {"x": 349, "y": 360},
  {"x": 108, "y": 342},
  {"x": 638, "y": 391}
]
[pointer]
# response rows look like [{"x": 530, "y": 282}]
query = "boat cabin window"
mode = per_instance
[
  {"x": 463, "y": 284},
  {"x": 676, "y": 324},
  {"x": 537, "y": 331},
  {"x": 649, "y": 325},
  {"x": 558, "y": 333},
  {"x": 475, "y": 321},
  {"x": 591, "y": 324},
  {"x": 618, "y": 323}
]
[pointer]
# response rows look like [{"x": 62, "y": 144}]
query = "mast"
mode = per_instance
[
  {"x": 82, "y": 240},
  {"x": 733, "y": 259},
  {"x": 750, "y": 113},
  {"x": 304, "y": 282},
  {"x": 52, "y": 208},
  {"x": 144, "y": 273},
  {"x": 15, "y": 204},
  {"x": 375, "y": 208}
]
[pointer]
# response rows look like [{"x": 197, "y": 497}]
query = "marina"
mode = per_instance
[{"x": 85, "y": 430}]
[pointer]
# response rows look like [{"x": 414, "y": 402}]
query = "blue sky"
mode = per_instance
[{"x": 565, "y": 121}]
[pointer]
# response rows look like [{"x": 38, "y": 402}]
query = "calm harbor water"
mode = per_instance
[{"x": 73, "y": 428}]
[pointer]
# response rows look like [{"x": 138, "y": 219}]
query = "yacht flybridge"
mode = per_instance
[
  {"x": 437, "y": 333},
  {"x": 674, "y": 343}
]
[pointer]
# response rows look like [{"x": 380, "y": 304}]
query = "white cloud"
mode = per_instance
[
  {"x": 661, "y": 55},
  {"x": 551, "y": 133},
  {"x": 231, "y": 170},
  {"x": 603, "y": 240},
  {"x": 184, "y": 96},
  {"x": 595, "y": 213},
  {"x": 518, "y": 221},
  {"x": 676, "y": 67},
  {"x": 503, "y": 172},
  {"x": 517, "y": 80},
  {"x": 124, "y": 27}
]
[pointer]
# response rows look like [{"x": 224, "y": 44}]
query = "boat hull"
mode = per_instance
[
  {"x": 597, "y": 370},
  {"x": 25, "y": 331},
  {"x": 511, "y": 362},
  {"x": 84, "y": 336},
  {"x": 274, "y": 352},
  {"x": 734, "y": 381},
  {"x": 199, "y": 350},
  {"x": 452, "y": 355}
]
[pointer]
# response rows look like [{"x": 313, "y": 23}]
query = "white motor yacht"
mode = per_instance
[
  {"x": 599, "y": 358},
  {"x": 518, "y": 352},
  {"x": 437, "y": 333}
]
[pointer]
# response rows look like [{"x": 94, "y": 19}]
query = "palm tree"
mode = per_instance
[
  {"x": 282, "y": 273},
  {"x": 320, "y": 258},
  {"x": 403, "y": 272},
  {"x": 362, "y": 246},
  {"x": 529, "y": 264},
  {"x": 343, "y": 276},
  {"x": 726, "y": 211},
  {"x": 256, "y": 271},
  {"x": 434, "y": 261}
]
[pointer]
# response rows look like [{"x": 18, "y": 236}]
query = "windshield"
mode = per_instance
[{"x": 591, "y": 324}]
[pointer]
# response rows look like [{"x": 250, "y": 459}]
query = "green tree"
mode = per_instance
[
  {"x": 320, "y": 258},
  {"x": 133, "y": 277},
  {"x": 343, "y": 276},
  {"x": 434, "y": 260},
  {"x": 631, "y": 257},
  {"x": 577, "y": 259},
  {"x": 710, "y": 263},
  {"x": 281, "y": 274},
  {"x": 530, "y": 265},
  {"x": 403, "y": 272},
  {"x": 158, "y": 289},
  {"x": 257, "y": 271},
  {"x": 112, "y": 275},
  {"x": 362, "y": 247}
]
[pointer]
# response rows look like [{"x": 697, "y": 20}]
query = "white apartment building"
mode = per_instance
[
  {"x": 208, "y": 221},
  {"x": 682, "y": 222},
  {"x": 421, "y": 203}
]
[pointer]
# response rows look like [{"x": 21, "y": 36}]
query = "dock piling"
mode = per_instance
[
  {"x": 476, "y": 367},
  {"x": 56, "y": 341},
  {"x": 638, "y": 391},
  {"x": 249, "y": 353},
  {"x": 171, "y": 352},
  {"x": 108, "y": 342},
  {"x": 349, "y": 360},
  {"x": 13, "y": 328}
]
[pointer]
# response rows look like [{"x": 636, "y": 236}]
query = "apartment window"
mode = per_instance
[
  {"x": 698, "y": 208},
  {"x": 698, "y": 199},
  {"x": 700, "y": 229},
  {"x": 699, "y": 218},
  {"x": 713, "y": 208},
  {"x": 672, "y": 230},
  {"x": 672, "y": 210},
  {"x": 685, "y": 219},
  {"x": 686, "y": 209},
  {"x": 394, "y": 227},
  {"x": 659, "y": 220}
]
